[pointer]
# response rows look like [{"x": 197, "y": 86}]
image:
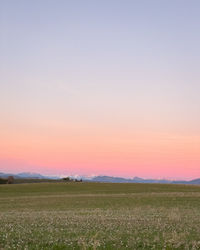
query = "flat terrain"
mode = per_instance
[{"x": 99, "y": 216}]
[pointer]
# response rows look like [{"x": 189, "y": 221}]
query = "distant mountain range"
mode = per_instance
[
  {"x": 28, "y": 175},
  {"x": 141, "y": 180},
  {"x": 108, "y": 179}
]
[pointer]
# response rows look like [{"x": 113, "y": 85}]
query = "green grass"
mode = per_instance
[{"x": 99, "y": 216}]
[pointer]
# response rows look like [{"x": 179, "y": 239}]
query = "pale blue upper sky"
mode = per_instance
[{"x": 131, "y": 58}]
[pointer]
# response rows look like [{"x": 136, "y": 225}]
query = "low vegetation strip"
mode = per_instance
[{"x": 99, "y": 216}]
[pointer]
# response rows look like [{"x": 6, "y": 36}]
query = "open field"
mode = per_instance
[{"x": 99, "y": 216}]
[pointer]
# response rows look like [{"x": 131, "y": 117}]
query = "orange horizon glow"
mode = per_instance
[{"x": 115, "y": 153}]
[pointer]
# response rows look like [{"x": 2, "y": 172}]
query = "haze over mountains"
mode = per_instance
[
  {"x": 27, "y": 175},
  {"x": 141, "y": 180},
  {"x": 109, "y": 179}
]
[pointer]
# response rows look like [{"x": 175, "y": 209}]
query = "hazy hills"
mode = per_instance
[
  {"x": 141, "y": 180},
  {"x": 108, "y": 179},
  {"x": 27, "y": 175}
]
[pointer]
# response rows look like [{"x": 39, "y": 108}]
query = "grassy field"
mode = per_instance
[{"x": 99, "y": 216}]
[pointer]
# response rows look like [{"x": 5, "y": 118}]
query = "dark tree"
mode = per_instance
[
  {"x": 66, "y": 179},
  {"x": 10, "y": 180}
]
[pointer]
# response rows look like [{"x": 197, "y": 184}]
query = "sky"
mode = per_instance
[{"x": 106, "y": 87}]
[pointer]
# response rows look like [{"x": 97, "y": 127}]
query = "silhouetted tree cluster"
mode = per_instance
[
  {"x": 3, "y": 181},
  {"x": 68, "y": 179},
  {"x": 9, "y": 180},
  {"x": 76, "y": 180}
]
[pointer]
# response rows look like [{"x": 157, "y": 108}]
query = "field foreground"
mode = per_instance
[{"x": 99, "y": 216}]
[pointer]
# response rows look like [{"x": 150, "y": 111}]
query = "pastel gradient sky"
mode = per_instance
[{"x": 106, "y": 87}]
